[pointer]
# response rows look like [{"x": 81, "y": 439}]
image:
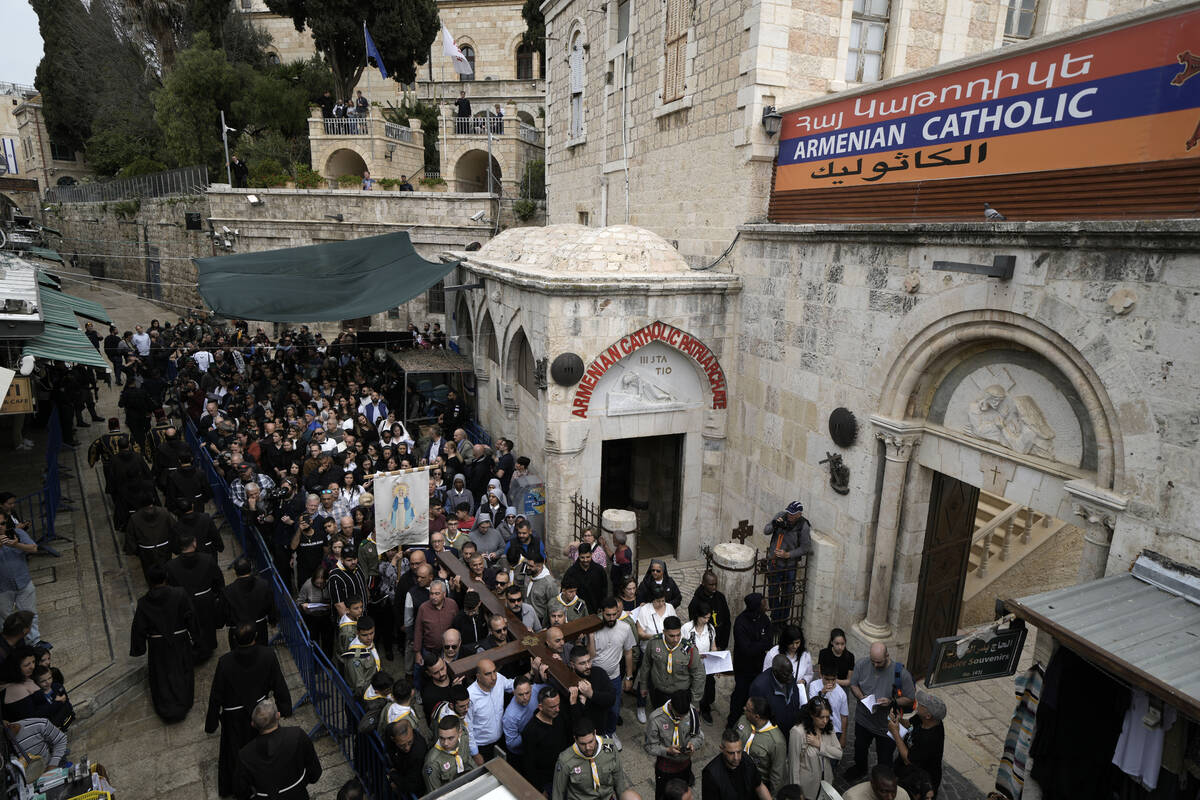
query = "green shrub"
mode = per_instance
[
  {"x": 127, "y": 209},
  {"x": 524, "y": 209},
  {"x": 533, "y": 183},
  {"x": 349, "y": 181},
  {"x": 307, "y": 177},
  {"x": 427, "y": 181},
  {"x": 388, "y": 183},
  {"x": 267, "y": 173},
  {"x": 141, "y": 165}
]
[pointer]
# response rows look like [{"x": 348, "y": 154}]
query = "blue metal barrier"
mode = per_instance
[{"x": 338, "y": 711}]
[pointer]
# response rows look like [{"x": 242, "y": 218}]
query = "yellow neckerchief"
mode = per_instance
[
  {"x": 571, "y": 604},
  {"x": 754, "y": 732},
  {"x": 407, "y": 711},
  {"x": 675, "y": 735},
  {"x": 357, "y": 645},
  {"x": 458, "y": 762},
  {"x": 592, "y": 760},
  {"x": 671, "y": 655},
  {"x": 347, "y": 621},
  {"x": 371, "y": 694}
]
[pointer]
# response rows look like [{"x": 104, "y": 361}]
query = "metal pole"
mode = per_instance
[
  {"x": 489, "y": 163},
  {"x": 225, "y": 141}
]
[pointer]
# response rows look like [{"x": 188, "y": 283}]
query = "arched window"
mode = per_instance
[
  {"x": 462, "y": 327},
  {"x": 468, "y": 53},
  {"x": 524, "y": 63},
  {"x": 487, "y": 332},
  {"x": 578, "y": 80},
  {"x": 521, "y": 360}
]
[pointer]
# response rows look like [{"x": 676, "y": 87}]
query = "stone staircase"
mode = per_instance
[{"x": 1005, "y": 532}]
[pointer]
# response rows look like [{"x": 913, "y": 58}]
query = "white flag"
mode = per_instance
[{"x": 451, "y": 51}]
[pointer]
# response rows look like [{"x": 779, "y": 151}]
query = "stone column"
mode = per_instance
[
  {"x": 1098, "y": 509},
  {"x": 898, "y": 446},
  {"x": 733, "y": 562},
  {"x": 623, "y": 520}
]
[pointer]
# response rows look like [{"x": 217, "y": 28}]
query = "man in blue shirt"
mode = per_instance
[
  {"x": 517, "y": 715},
  {"x": 16, "y": 585},
  {"x": 486, "y": 712}
]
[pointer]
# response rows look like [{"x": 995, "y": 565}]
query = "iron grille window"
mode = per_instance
[
  {"x": 60, "y": 152},
  {"x": 868, "y": 40},
  {"x": 525, "y": 363}
]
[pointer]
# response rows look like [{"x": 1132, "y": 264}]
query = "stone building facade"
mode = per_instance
[
  {"x": 654, "y": 110},
  {"x": 43, "y": 160},
  {"x": 507, "y": 74},
  {"x": 1068, "y": 389},
  {"x": 12, "y": 152}
]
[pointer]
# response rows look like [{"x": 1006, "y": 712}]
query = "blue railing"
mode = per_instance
[{"x": 338, "y": 711}]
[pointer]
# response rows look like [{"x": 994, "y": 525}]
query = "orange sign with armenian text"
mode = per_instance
[{"x": 1126, "y": 96}]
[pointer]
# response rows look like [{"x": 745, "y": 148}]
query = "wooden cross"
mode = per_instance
[
  {"x": 527, "y": 642},
  {"x": 743, "y": 531}
]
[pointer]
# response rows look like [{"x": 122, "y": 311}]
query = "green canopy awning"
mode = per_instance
[
  {"x": 86, "y": 308},
  {"x": 64, "y": 344},
  {"x": 318, "y": 283},
  {"x": 57, "y": 311},
  {"x": 49, "y": 279},
  {"x": 46, "y": 253}
]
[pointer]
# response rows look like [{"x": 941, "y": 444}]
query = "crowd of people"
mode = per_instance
[{"x": 297, "y": 427}]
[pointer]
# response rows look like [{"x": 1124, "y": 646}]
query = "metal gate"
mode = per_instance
[
  {"x": 587, "y": 515},
  {"x": 782, "y": 583}
]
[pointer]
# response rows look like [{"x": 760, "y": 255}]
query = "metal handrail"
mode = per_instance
[{"x": 400, "y": 133}]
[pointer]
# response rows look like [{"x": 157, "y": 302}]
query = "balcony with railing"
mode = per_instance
[
  {"x": 496, "y": 127},
  {"x": 352, "y": 145}
]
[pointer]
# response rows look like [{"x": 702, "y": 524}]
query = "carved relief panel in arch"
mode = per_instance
[
  {"x": 1017, "y": 400},
  {"x": 653, "y": 379}
]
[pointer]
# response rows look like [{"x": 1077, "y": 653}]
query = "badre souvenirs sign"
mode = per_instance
[
  {"x": 1125, "y": 96},
  {"x": 960, "y": 659},
  {"x": 654, "y": 332}
]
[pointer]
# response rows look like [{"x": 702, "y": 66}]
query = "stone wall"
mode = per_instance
[
  {"x": 698, "y": 167},
  {"x": 851, "y": 316},
  {"x": 118, "y": 233},
  {"x": 116, "y": 237}
]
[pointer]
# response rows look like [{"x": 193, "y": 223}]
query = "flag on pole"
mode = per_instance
[
  {"x": 451, "y": 51},
  {"x": 373, "y": 52}
]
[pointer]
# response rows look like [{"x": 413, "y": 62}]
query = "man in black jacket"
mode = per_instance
[
  {"x": 751, "y": 641},
  {"x": 589, "y": 577},
  {"x": 595, "y": 696},
  {"x": 406, "y": 749}
]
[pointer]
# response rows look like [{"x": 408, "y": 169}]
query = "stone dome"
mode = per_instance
[{"x": 574, "y": 248}]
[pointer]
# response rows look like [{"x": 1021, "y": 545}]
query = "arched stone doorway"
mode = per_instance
[
  {"x": 984, "y": 403},
  {"x": 344, "y": 162},
  {"x": 471, "y": 172}
]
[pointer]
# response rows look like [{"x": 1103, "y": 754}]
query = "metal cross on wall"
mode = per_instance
[
  {"x": 743, "y": 531},
  {"x": 527, "y": 642}
]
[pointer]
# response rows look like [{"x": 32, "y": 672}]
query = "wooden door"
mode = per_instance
[{"x": 943, "y": 567}]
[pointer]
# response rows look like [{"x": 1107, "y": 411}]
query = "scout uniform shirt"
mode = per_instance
[
  {"x": 347, "y": 632},
  {"x": 574, "y": 609},
  {"x": 768, "y": 749},
  {"x": 669, "y": 669},
  {"x": 360, "y": 663},
  {"x": 443, "y": 766},
  {"x": 663, "y": 730},
  {"x": 577, "y": 777},
  {"x": 398, "y": 711}
]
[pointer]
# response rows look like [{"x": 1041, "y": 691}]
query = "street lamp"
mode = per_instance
[
  {"x": 771, "y": 121},
  {"x": 225, "y": 130}
]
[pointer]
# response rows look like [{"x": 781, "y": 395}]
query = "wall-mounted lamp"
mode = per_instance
[
  {"x": 772, "y": 120},
  {"x": 336, "y": 217},
  {"x": 253, "y": 200}
]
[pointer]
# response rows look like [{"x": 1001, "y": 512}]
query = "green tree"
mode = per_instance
[
  {"x": 187, "y": 108},
  {"x": 429, "y": 115},
  {"x": 535, "y": 28},
  {"x": 403, "y": 31}
]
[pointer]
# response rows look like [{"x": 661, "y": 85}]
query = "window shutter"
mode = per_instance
[{"x": 675, "y": 63}]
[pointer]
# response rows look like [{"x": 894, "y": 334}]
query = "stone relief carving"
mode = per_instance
[
  {"x": 1013, "y": 420},
  {"x": 637, "y": 393}
]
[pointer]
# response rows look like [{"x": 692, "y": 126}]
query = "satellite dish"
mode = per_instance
[{"x": 26, "y": 365}]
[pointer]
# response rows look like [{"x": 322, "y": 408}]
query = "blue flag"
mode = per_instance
[{"x": 373, "y": 52}]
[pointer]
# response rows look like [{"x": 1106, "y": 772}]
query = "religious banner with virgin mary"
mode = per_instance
[{"x": 401, "y": 508}]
